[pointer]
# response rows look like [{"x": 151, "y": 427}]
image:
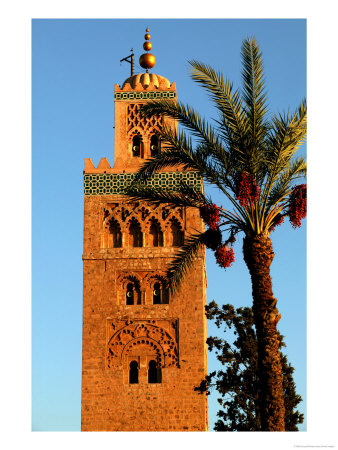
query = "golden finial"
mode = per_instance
[{"x": 147, "y": 60}]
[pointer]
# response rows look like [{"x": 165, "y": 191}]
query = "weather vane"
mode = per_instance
[{"x": 130, "y": 60}]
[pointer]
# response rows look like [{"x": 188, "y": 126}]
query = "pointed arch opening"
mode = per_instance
[
  {"x": 115, "y": 234},
  {"x": 135, "y": 234},
  {"x": 176, "y": 234},
  {"x": 155, "y": 235}
]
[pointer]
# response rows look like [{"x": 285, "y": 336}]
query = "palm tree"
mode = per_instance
[{"x": 249, "y": 155}]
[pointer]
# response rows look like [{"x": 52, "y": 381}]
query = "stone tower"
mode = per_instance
[{"x": 144, "y": 350}]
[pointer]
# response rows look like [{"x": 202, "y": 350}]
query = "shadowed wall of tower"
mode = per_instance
[{"x": 144, "y": 350}]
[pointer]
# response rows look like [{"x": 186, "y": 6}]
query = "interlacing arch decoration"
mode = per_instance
[
  {"x": 165, "y": 212},
  {"x": 160, "y": 225},
  {"x": 146, "y": 124},
  {"x": 141, "y": 211},
  {"x": 144, "y": 212},
  {"x": 107, "y": 215},
  {"x": 125, "y": 212},
  {"x": 130, "y": 336}
]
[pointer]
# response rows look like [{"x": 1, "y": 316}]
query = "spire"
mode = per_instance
[{"x": 147, "y": 60}]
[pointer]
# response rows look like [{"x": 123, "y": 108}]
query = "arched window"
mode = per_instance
[
  {"x": 157, "y": 294},
  {"x": 177, "y": 236},
  {"x": 155, "y": 235},
  {"x": 130, "y": 294},
  {"x": 160, "y": 294},
  {"x": 133, "y": 294},
  {"x": 136, "y": 147},
  {"x": 115, "y": 235},
  {"x": 133, "y": 372},
  {"x": 154, "y": 145},
  {"x": 135, "y": 235},
  {"x": 154, "y": 372}
]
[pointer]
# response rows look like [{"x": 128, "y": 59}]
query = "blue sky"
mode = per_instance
[
  {"x": 16, "y": 225},
  {"x": 75, "y": 64}
]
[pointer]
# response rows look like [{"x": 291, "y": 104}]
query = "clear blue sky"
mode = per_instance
[{"x": 75, "y": 64}]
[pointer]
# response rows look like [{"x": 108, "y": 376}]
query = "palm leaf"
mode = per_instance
[
  {"x": 296, "y": 169},
  {"x": 179, "y": 151},
  {"x": 286, "y": 135},
  {"x": 186, "y": 116},
  {"x": 210, "y": 150},
  {"x": 227, "y": 102},
  {"x": 253, "y": 93},
  {"x": 181, "y": 195},
  {"x": 184, "y": 260}
]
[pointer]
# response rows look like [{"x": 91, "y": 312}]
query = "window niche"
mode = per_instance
[
  {"x": 133, "y": 372},
  {"x": 154, "y": 372},
  {"x": 176, "y": 234},
  {"x": 135, "y": 235},
  {"x": 133, "y": 294},
  {"x": 160, "y": 294},
  {"x": 155, "y": 235},
  {"x": 154, "y": 145},
  {"x": 115, "y": 235},
  {"x": 137, "y": 146}
]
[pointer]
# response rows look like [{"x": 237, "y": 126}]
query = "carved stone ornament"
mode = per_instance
[{"x": 156, "y": 337}]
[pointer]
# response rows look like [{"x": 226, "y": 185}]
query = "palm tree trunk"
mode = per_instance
[{"x": 258, "y": 255}]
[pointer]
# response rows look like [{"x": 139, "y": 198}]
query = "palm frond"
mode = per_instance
[
  {"x": 187, "y": 117},
  {"x": 234, "y": 123},
  {"x": 296, "y": 169},
  {"x": 286, "y": 135},
  {"x": 209, "y": 158},
  {"x": 184, "y": 260},
  {"x": 179, "y": 151},
  {"x": 181, "y": 195},
  {"x": 253, "y": 93},
  {"x": 243, "y": 140},
  {"x": 227, "y": 102}
]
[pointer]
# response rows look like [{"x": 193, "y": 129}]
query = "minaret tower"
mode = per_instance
[{"x": 144, "y": 350}]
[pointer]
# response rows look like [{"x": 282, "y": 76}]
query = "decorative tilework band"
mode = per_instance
[
  {"x": 115, "y": 183},
  {"x": 144, "y": 95}
]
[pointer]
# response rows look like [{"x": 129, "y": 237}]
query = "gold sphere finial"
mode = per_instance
[{"x": 147, "y": 60}]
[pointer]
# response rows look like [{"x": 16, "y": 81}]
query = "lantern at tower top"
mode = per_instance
[{"x": 147, "y": 60}]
